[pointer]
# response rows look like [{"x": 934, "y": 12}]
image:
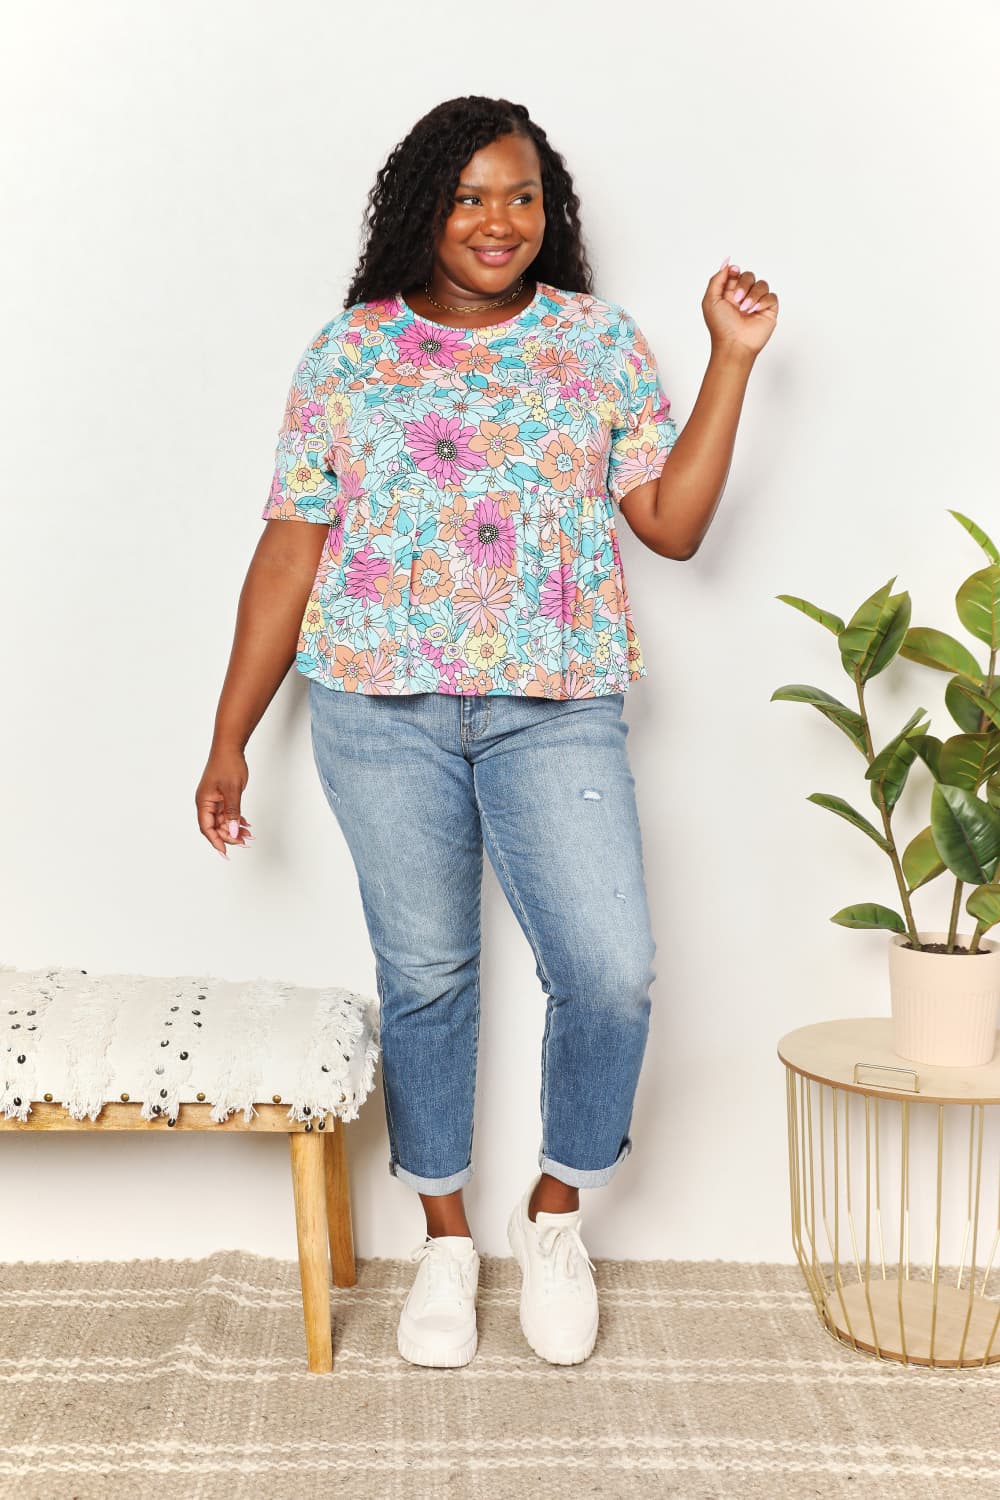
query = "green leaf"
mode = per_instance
[
  {"x": 993, "y": 791},
  {"x": 875, "y": 633},
  {"x": 968, "y": 759},
  {"x": 831, "y": 621},
  {"x": 959, "y": 703},
  {"x": 921, "y": 862},
  {"x": 928, "y": 747},
  {"x": 934, "y": 648},
  {"x": 966, "y": 832},
  {"x": 891, "y": 766},
  {"x": 838, "y": 713},
  {"x": 869, "y": 914},
  {"x": 984, "y": 905},
  {"x": 978, "y": 605},
  {"x": 977, "y": 535},
  {"x": 845, "y": 810},
  {"x": 989, "y": 706}
]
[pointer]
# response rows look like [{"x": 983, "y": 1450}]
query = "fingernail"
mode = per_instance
[
  {"x": 724, "y": 264},
  {"x": 745, "y": 304},
  {"x": 754, "y": 307},
  {"x": 222, "y": 852},
  {"x": 234, "y": 828}
]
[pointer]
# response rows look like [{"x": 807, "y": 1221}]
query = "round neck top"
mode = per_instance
[
  {"x": 470, "y": 480},
  {"x": 405, "y": 308}
]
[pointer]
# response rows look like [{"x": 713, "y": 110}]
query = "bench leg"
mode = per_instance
[
  {"x": 338, "y": 1207},
  {"x": 309, "y": 1190}
]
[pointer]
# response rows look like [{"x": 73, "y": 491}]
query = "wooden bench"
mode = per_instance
[{"x": 80, "y": 1051}]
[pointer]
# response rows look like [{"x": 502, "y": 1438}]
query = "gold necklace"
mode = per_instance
[{"x": 480, "y": 307}]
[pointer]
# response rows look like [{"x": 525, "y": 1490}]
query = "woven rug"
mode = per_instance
[{"x": 187, "y": 1380}]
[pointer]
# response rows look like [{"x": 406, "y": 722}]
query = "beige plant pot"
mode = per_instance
[{"x": 944, "y": 1005}]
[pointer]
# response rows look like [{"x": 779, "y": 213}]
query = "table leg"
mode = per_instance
[
  {"x": 338, "y": 1207},
  {"x": 309, "y": 1190}
]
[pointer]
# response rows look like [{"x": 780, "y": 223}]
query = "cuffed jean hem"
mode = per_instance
[
  {"x": 574, "y": 1177},
  {"x": 434, "y": 1186}
]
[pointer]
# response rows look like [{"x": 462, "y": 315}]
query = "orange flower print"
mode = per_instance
[
  {"x": 560, "y": 364},
  {"x": 497, "y": 442},
  {"x": 561, "y": 461},
  {"x": 430, "y": 577},
  {"x": 347, "y": 666},
  {"x": 451, "y": 518},
  {"x": 611, "y": 599},
  {"x": 582, "y": 611},
  {"x": 391, "y": 590},
  {"x": 479, "y": 360}
]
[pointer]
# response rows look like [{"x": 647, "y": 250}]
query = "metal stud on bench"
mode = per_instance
[{"x": 82, "y": 1051}]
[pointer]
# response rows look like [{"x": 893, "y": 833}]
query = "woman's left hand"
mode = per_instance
[{"x": 739, "y": 309}]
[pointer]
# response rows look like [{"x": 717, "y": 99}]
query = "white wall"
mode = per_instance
[{"x": 184, "y": 192}]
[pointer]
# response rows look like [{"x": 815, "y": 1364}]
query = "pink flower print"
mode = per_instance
[
  {"x": 375, "y": 672},
  {"x": 484, "y": 604},
  {"x": 488, "y": 536},
  {"x": 362, "y": 571},
  {"x": 427, "y": 345},
  {"x": 558, "y": 594},
  {"x": 440, "y": 447}
]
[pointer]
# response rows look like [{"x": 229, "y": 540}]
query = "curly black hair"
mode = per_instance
[{"x": 412, "y": 195}]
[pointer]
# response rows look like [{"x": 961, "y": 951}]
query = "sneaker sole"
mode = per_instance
[
  {"x": 436, "y": 1359},
  {"x": 574, "y": 1356}
]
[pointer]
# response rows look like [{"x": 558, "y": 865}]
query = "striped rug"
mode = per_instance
[{"x": 186, "y": 1380}]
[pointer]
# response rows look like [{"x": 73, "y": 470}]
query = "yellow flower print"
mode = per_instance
[
  {"x": 313, "y": 620},
  {"x": 303, "y": 478},
  {"x": 497, "y": 442},
  {"x": 338, "y": 408},
  {"x": 484, "y": 651}
]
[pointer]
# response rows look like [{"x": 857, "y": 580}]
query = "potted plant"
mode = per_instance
[{"x": 944, "y": 1012}]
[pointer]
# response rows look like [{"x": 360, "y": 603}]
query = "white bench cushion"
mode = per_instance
[{"x": 86, "y": 1039}]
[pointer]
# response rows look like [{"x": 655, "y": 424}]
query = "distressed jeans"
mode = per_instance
[{"x": 419, "y": 784}]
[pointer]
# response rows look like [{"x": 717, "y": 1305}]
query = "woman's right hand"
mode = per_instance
[{"x": 218, "y": 800}]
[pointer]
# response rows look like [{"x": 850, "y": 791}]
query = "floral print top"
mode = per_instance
[{"x": 470, "y": 480}]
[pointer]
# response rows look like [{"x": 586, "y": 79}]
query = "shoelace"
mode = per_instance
[
  {"x": 563, "y": 1255},
  {"x": 446, "y": 1280}
]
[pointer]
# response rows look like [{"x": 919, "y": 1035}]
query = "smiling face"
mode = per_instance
[{"x": 497, "y": 205}]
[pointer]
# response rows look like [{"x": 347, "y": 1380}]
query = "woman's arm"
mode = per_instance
[
  {"x": 671, "y": 514},
  {"x": 268, "y": 618},
  {"x": 271, "y": 605}
]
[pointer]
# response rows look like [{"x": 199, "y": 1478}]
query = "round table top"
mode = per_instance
[{"x": 829, "y": 1050}]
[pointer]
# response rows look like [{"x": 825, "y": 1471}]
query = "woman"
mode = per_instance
[{"x": 463, "y": 434}]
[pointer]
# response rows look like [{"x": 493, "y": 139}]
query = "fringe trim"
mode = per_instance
[
  {"x": 252, "y": 1018},
  {"x": 338, "y": 1067},
  {"x": 335, "y": 1076}
]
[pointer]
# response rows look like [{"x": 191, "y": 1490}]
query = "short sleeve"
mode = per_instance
[
  {"x": 304, "y": 485},
  {"x": 640, "y": 445}
]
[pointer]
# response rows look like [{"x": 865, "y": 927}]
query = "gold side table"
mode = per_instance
[{"x": 894, "y": 1167}]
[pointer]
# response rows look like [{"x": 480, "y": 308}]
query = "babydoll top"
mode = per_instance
[{"x": 470, "y": 480}]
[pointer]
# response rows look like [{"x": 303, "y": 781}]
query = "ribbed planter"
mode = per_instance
[{"x": 945, "y": 1006}]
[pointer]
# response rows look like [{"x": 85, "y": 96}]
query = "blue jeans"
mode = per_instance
[{"x": 419, "y": 784}]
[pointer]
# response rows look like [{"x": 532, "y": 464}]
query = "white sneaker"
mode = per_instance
[
  {"x": 437, "y": 1325},
  {"x": 559, "y": 1312}
]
